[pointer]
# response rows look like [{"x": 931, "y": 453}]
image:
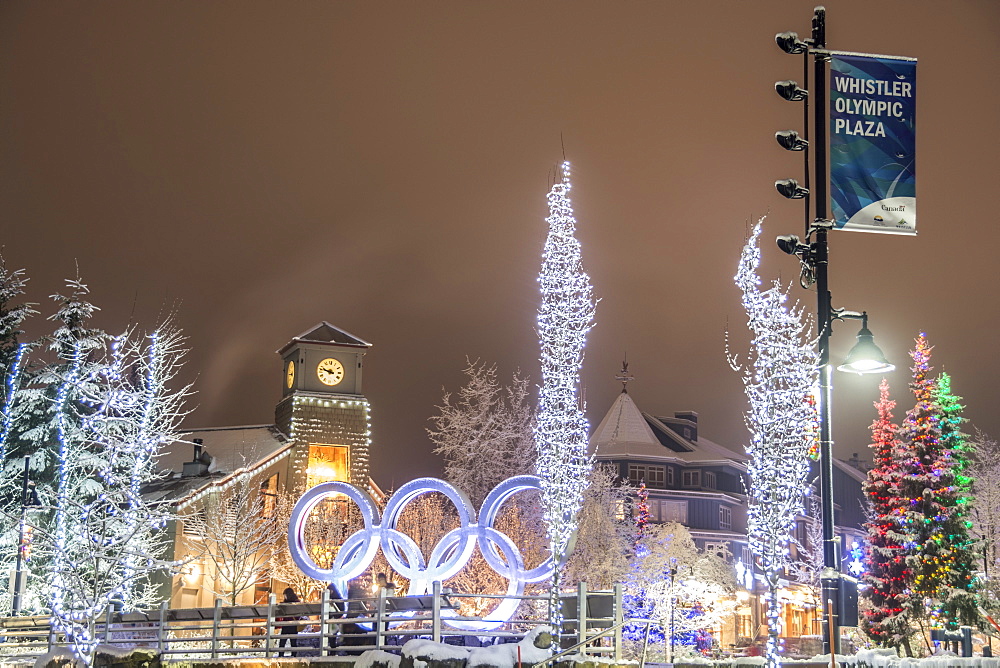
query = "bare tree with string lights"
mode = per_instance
[
  {"x": 778, "y": 378},
  {"x": 565, "y": 316}
]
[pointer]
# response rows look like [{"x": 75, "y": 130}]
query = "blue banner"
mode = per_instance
[{"x": 872, "y": 154}]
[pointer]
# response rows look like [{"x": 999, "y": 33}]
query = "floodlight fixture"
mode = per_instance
[
  {"x": 790, "y": 140},
  {"x": 791, "y": 244},
  {"x": 789, "y": 90},
  {"x": 790, "y": 188},
  {"x": 865, "y": 356},
  {"x": 789, "y": 42}
]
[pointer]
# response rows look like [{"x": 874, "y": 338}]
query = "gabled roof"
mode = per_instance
[{"x": 327, "y": 334}]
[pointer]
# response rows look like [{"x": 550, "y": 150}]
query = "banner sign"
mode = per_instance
[{"x": 872, "y": 158}]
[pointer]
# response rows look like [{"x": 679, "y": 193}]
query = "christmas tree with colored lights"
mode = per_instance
[
  {"x": 887, "y": 620},
  {"x": 641, "y": 513},
  {"x": 934, "y": 501},
  {"x": 957, "y": 602}
]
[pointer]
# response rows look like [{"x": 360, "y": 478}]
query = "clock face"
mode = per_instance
[
  {"x": 330, "y": 371},
  {"x": 290, "y": 375}
]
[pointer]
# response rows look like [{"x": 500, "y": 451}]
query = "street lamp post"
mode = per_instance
[
  {"x": 29, "y": 499},
  {"x": 814, "y": 258}
]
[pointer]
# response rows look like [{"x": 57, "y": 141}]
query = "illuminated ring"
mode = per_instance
[
  {"x": 450, "y": 554},
  {"x": 359, "y": 548},
  {"x": 487, "y": 516}
]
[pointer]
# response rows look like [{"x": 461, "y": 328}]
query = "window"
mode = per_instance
[
  {"x": 651, "y": 474},
  {"x": 720, "y": 549},
  {"x": 191, "y": 523},
  {"x": 269, "y": 496},
  {"x": 674, "y": 511},
  {"x": 670, "y": 476},
  {"x": 327, "y": 463},
  {"x": 725, "y": 517},
  {"x": 710, "y": 479},
  {"x": 691, "y": 478}
]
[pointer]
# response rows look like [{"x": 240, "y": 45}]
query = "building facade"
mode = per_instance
[
  {"x": 701, "y": 485},
  {"x": 321, "y": 432}
]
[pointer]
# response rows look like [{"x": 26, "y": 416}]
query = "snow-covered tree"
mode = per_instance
[
  {"x": 90, "y": 413},
  {"x": 326, "y": 528},
  {"x": 13, "y": 312},
  {"x": 565, "y": 316},
  {"x": 484, "y": 431},
  {"x": 778, "y": 380},
  {"x": 886, "y": 621},
  {"x": 984, "y": 469},
  {"x": 238, "y": 535},
  {"x": 684, "y": 590},
  {"x": 808, "y": 565},
  {"x": 604, "y": 537}
]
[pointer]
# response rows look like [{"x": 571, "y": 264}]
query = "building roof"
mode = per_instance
[
  {"x": 230, "y": 452},
  {"x": 628, "y": 433},
  {"x": 230, "y": 448},
  {"x": 327, "y": 334}
]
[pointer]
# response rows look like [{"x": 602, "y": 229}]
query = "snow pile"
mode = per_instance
[
  {"x": 376, "y": 656},
  {"x": 504, "y": 656},
  {"x": 60, "y": 656},
  {"x": 421, "y": 652}
]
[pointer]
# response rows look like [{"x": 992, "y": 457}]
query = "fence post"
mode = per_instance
[
  {"x": 107, "y": 622},
  {"x": 619, "y": 618},
  {"x": 269, "y": 625},
  {"x": 216, "y": 622},
  {"x": 161, "y": 632},
  {"x": 436, "y": 612},
  {"x": 325, "y": 627},
  {"x": 379, "y": 616},
  {"x": 581, "y": 616}
]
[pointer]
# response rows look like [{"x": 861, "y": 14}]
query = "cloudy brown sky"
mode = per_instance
[{"x": 383, "y": 166}]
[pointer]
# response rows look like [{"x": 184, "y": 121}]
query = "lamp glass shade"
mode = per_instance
[{"x": 865, "y": 356}]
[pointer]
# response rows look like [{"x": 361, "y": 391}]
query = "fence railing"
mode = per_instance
[{"x": 327, "y": 628}]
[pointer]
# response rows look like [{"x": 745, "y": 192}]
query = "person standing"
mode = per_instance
[{"x": 286, "y": 630}]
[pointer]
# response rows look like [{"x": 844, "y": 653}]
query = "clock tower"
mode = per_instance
[{"x": 322, "y": 409}]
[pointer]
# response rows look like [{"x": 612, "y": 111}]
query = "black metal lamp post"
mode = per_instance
[
  {"x": 29, "y": 499},
  {"x": 814, "y": 259}
]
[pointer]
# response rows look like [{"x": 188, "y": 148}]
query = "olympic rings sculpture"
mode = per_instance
[{"x": 449, "y": 556}]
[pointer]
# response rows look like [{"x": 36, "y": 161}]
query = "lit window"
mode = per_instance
[{"x": 327, "y": 463}]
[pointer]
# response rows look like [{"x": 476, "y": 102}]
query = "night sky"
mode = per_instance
[{"x": 263, "y": 166}]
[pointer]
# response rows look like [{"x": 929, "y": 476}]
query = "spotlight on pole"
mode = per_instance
[
  {"x": 790, "y": 244},
  {"x": 790, "y": 140},
  {"x": 789, "y": 42},
  {"x": 789, "y": 90},
  {"x": 790, "y": 188},
  {"x": 865, "y": 356}
]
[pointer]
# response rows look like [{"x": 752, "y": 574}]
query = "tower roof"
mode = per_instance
[
  {"x": 624, "y": 432},
  {"x": 325, "y": 333}
]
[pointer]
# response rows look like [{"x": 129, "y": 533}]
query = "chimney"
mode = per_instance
[
  {"x": 692, "y": 417},
  {"x": 197, "y": 466}
]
